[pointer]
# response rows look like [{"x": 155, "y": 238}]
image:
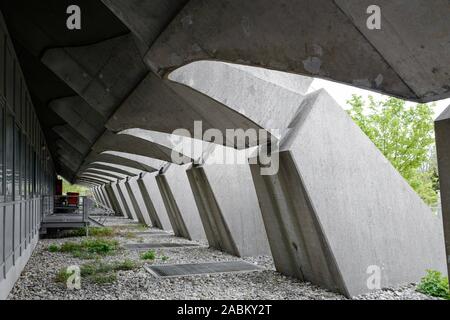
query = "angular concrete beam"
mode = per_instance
[
  {"x": 103, "y": 74},
  {"x": 316, "y": 38},
  {"x": 126, "y": 143},
  {"x": 69, "y": 150},
  {"x": 422, "y": 67},
  {"x": 134, "y": 203},
  {"x": 113, "y": 199},
  {"x": 154, "y": 201},
  {"x": 150, "y": 164},
  {"x": 229, "y": 209},
  {"x": 105, "y": 173},
  {"x": 146, "y": 19},
  {"x": 73, "y": 138},
  {"x": 112, "y": 168},
  {"x": 268, "y": 98},
  {"x": 119, "y": 197},
  {"x": 92, "y": 180},
  {"x": 67, "y": 162},
  {"x": 148, "y": 203},
  {"x": 442, "y": 130},
  {"x": 80, "y": 116},
  {"x": 89, "y": 181},
  {"x": 105, "y": 196},
  {"x": 336, "y": 199},
  {"x": 180, "y": 203},
  {"x": 164, "y": 106},
  {"x": 101, "y": 177},
  {"x": 126, "y": 201},
  {"x": 114, "y": 159}
]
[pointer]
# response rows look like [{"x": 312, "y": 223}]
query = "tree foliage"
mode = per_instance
[
  {"x": 404, "y": 135},
  {"x": 67, "y": 187}
]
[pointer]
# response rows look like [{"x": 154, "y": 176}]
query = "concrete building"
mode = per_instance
[{"x": 99, "y": 106}]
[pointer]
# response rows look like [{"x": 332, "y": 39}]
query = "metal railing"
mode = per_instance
[{"x": 68, "y": 205}]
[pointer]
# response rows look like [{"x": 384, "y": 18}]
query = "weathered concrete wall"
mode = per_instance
[
  {"x": 125, "y": 200},
  {"x": 152, "y": 190},
  {"x": 134, "y": 204},
  {"x": 247, "y": 90},
  {"x": 119, "y": 198},
  {"x": 148, "y": 203},
  {"x": 180, "y": 203},
  {"x": 228, "y": 205},
  {"x": 135, "y": 190},
  {"x": 337, "y": 207},
  {"x": 442, "y": 129},
  {"x": 106, "y": 197},
  {"x": 113, "y": 199}
]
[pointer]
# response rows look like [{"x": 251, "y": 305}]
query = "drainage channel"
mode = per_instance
[
  {"x": 145, "y": 246},
  {"x": 191, "y": 269}
]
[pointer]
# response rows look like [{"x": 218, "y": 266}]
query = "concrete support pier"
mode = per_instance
[
  {"x": 228, "y": 205},
  {"x": 137, "y": 210},
  {"x": 338, "y": 214},
  {"x": 180, "y": 203},
  {"x": 442, "y": 130}
]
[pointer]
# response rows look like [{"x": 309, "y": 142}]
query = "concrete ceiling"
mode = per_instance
[{"x": 82, "y": 82}]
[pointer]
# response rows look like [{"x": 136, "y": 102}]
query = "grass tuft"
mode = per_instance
[
  {"x": 148, "y": 255},
  {"x": 53, "y": 248},
  {"x": 88, "y": 248},
  {"x": 93, "y": 231}
]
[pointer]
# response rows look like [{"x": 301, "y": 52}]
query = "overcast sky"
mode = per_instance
[{"x": 341, "y": 93}]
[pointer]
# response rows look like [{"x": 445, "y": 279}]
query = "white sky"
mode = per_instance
[{"x": 341, "y": 93}]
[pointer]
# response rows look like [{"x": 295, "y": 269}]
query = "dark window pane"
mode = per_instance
[
  {"x": 9, "y": 152},
  {"x": 2, "y": 128},
  {"x": 17, "y": 144}
]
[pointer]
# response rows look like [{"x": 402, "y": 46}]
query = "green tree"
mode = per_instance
[{"x": 404, "y": 135}]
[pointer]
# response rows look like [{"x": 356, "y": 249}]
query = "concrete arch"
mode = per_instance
[
  {"x": 116, "y": 169},
  {"x": 99, "y": 176},
  {"x": 111, "y": 158},
  {"x": 164, "y": 106},
  {"x": 113, "y": 175}
]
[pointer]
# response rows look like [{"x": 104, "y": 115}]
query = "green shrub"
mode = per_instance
[
  {"x": 164, "y": 258},
  {"x": 62, "y": 276},
  {"x": 148, "y": 255},
  {"x": 53, "y": 248},
  {"x": 434, "y": 284}
]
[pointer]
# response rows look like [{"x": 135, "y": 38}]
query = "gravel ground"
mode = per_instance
[{"x": 38, "y": 278}]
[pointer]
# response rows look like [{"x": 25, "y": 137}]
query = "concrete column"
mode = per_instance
[
  {"x": 156, "y": 222},
  {"x": 336, "y": 212},
  {"x": 113, "y": 199},
  {"x": 134, "y": 203},
  {"x": 116, "y": 192},
  {"x": 101, "y": 196},
  {"x": 150, "y": 192},
  {"x": 180, "y": 203},
  {"x": 94, "y": 193},
  {"x": 442, "y": 129},
  {"x": 126, "y": 208},
  {"x": 106, "y": 197},
  {"x": 228, "y": 205}
]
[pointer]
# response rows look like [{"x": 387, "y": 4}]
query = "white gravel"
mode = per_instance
[{"x": 38, "y": 278}]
